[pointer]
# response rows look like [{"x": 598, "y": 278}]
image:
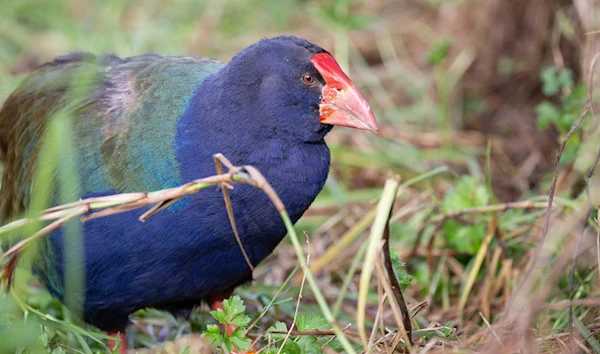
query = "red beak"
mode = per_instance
[{"x": 341, "y": 102}]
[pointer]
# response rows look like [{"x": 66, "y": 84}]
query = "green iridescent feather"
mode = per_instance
[{"x": 135, "y": 100}]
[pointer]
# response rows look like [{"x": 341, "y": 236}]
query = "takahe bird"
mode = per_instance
[{"x": 154, "y": 122}]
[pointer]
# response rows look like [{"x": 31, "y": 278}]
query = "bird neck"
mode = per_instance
[{"x": 236, "y": 128}]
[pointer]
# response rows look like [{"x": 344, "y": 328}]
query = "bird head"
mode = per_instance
[{"x": 301, "y": 88}]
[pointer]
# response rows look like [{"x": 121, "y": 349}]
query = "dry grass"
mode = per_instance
[{"x": 531, "y": 284}]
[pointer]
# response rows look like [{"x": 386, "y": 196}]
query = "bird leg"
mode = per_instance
[
  {"x": 122, "y": 339},
  {"x": 216, "y": 302}
]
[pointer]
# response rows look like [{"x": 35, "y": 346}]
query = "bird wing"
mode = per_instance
[{"x": 123, "y": 128}]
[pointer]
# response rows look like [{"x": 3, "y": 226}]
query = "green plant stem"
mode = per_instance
[
  {"x": 313, "y": 284},
  {"x": 348, "y": 279},
  {"x": 388, "y": 196}
]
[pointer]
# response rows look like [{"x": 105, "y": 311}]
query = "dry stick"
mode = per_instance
[
  {"x": 65, "y": 209},
  {"x": 378, "y": 315},
  {"x": 587, "y": 191},
  {"x": 572, "y": 286},
  {"x": 262, "y": 183},
  {"x": 334, "y": 336},
  {"x": 45, "y": 230},
  {"x": 395, "y": 307},
  {"x": 538, "y": 250},
  {"x": 317, "y": 333},
  {"x": 395, "y": 285},
  {"x": 252, "y": 177},
  {"x": 221, "y": 160},
  {"x": 587, "y": 107},
  {"x": 395, "y": 342},
  {"x": 190, "y": 188},
  {"x": 115, "y": 204},
  {"x": 387, "y": 197},
  {"x": 593, "y": 167},
  {"x": 521, "y": 332},
  {"x": 589, "y": 99},
  {"x": 418, "y": 308},
  {"x": 166, "y": 196},
  {"x": 589, "y": 175},
  {"x": 287, "y": 336},
  {"x": 391, "y": 335},
  {"x": 110, "y": 200},
  {"x": 489, "y": 326},
  {"x": 86, "y": 205},
  {"x": 13, "y": 252},
  {"x": 576, "y": 302},
  {"x": 598, "y": 238},
  {"x": 8, "y": 269}
]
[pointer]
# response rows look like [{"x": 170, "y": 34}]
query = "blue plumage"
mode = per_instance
[{"x": 154, "y": 122}]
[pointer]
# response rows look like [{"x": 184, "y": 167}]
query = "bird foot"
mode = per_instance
[
  {"x": 122, "y": 340},
  {"x": 216, "y": 302}
]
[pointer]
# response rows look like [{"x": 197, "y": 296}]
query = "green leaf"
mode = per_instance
[
  {"x": 233, "y": 307},
  {"x": 238, "y": 339},
  {"x": 291, "y": 347},
  {"x": 467, "y": 193},
  {"x": 241, "y": 320},
  {"x": 219, "y": 315},
  {"x": 310, "y": 344},
  {"x": 279, "y": 327},
  {"x": 448, "y": 329},
  {"x": 306, "y": 322},
  {"x": 547, "y": 113},
  {"x": 213, "y": 333},
  {"x": 464, "y": 238},
  {"x": 43, "y": 338},
  {"x": 315, "y": 348},
  {"x": 565, "y": 78},
  {"x": 550, "y": 82},
  {"x": 438, "y": 52},
  {"x": 228, "y": 343},
  {"x": 336, "y": 346},
  {"x": 232, "y": 313},
  {"x": 404, "y": 278},
  {"x": 553, "y": 81}
]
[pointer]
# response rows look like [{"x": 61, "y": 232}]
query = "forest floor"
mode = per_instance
[{"x": 474, "y": 99}]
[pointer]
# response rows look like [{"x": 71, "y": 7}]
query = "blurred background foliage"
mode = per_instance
[{"x": 484, "y": 90}]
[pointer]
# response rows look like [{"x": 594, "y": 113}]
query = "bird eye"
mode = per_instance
[{"x": 308, "y": 79}]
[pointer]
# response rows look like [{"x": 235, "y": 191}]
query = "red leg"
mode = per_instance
[
  {"x": 122, "y": 341},
  {"x": 216, "y": 302}
]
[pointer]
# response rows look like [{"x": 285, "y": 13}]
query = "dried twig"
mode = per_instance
[
  {"x": 395, "y": 285},
  {"x": 221, "y": 160},
  {"x": 572, "y": 285},
  {"x": 14, "y": 252},
  {"x": 538, "y": 250},
  {"x": 114, "y": 204},
  {"x": 588, "y": 106},
  {"x": 589, "y": 99},
  {"x": 316, "y": 332}
]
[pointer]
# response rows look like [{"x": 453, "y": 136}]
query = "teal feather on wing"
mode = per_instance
[{"x": 132, "y": 116}]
